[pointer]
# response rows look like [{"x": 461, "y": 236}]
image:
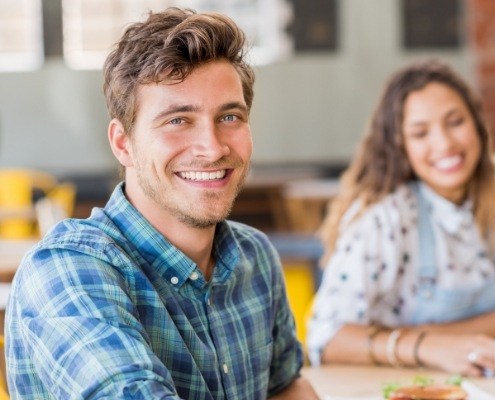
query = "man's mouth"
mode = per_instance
[{"x": 202, "y": 176}]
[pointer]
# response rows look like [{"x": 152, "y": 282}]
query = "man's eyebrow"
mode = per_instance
[
  {"x": 232, "y": 105},
  {"x": 178, "y": 108},
  {"x": 174, "y": 108}
]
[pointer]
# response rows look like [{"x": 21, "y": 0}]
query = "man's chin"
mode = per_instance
[
  {"x": 205, "y": 221},
  {"x": 202, "y": 223}
]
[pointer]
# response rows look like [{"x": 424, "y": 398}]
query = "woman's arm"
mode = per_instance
[
  {"x": 481, "y": 324},
  {"x": 465, "y": 352},
  {"x": 363, "y": 269}
]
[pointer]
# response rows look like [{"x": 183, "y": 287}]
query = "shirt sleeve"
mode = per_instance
[
  {"x": 78, "y": 325},
  {"x": 287, "y": 359},
  {"x": 362, "y": 267}
]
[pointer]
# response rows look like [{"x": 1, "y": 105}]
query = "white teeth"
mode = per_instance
[
  {"x": 448, "y": 162},
  {"x": 202, "y": 176}
]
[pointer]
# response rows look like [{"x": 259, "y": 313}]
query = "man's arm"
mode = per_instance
[
  {"x": 297, "y": 390},
  {"x": 77, "y": 338}
]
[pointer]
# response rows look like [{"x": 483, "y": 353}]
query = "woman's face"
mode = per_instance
[{"x": 441, "y": 140}]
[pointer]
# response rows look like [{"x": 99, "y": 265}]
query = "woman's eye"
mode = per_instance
[
  {"x": 417, "y": 134},
  {"x": 456, "y": 121}
]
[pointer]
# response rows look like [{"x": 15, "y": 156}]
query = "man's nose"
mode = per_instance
[{"x": 209, "y": 142}]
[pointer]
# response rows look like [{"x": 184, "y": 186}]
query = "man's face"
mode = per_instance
[{"x": 190, "y": 148}]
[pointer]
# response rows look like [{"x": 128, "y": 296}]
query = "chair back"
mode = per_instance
[
  {"x": 18, "y": 215},
  {"x": 55, "y": 206},
  {"x": 4, "y": 394}
]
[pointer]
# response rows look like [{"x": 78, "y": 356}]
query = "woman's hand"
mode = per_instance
[{"x": 465, "y": 354}]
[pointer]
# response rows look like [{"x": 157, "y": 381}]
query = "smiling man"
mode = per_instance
[{"x": 157, "y": 296}]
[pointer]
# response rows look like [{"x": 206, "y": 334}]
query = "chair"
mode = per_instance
[
  {"x": 3, "y": 387},
  {"x": 300, "y": 284},
  {"x": 15, "y": 204},
  {"x": 18, "y": 189},
  {"x": 55, "y": 206},
  {"x": 299, "y": 254}
]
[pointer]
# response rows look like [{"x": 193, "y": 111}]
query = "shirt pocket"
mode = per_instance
[{"x": 252, "y": 370}]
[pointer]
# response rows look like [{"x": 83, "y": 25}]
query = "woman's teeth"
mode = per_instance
[{"x": 448, "y": 162}]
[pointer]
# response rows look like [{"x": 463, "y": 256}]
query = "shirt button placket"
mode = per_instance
[
  {"x": 208, "y": 296},
  {"x": 194, "y": 276}
]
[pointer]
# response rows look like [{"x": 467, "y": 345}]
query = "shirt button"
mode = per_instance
[
  {"x": 194, "y": 275},
  {"x": 174, "y": 280},
  {"x": 225, "y": 368}
]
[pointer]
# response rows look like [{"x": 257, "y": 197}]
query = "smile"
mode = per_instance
[
  {"x": 202, "y": 175},
  {"x": 448, "y": 162}
]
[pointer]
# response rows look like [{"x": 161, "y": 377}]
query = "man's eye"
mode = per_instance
[
  {"x": 230, "y": 118},
  {"x": 176, "y": 121}
]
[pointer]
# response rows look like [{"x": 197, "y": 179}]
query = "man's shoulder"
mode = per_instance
[
  {"x": 244, "y": 232},
  {"x": 252, "y": 241},
  {"x": 80, "y": 233},
  {"x": 75, "y": 238}
]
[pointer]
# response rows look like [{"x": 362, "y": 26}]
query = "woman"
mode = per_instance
[{"x": 410, "y": 240}]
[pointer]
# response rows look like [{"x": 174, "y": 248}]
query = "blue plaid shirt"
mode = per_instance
[{"x": 107, "y": 308}]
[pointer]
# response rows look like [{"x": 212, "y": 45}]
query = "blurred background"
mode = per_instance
[{"x": 320, "y": 66}]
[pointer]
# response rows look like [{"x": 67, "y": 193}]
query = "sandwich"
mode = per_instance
[{"x": 429, "y": 392}]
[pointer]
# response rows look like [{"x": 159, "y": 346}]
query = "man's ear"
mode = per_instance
[{"x": 120, "y": 143}]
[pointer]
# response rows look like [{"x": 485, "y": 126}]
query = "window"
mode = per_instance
[
  {"x": 91, "y": 27},
  {"x": 431, "y": 24},
  {"x": 21, "y": 35},
  {"x": 315, "y": 28}
]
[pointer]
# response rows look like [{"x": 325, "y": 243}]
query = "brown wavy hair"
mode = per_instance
[
  {"x": 169, "y": 45},
  {"x": 380, "y": 165}
]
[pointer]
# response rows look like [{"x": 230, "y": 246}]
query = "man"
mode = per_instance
[{"x": 156, "y": 296}]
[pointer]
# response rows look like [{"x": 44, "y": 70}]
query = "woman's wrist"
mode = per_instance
[{"x": 401, "y": 347}]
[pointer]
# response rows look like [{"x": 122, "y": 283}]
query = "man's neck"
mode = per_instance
[{"x": 195, "y": 243}]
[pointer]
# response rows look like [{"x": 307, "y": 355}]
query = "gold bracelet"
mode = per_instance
[
  {"x": 392, "y": 340},
  {"x": 373, "y": 331},
  {"x": 419, "y": 339}
]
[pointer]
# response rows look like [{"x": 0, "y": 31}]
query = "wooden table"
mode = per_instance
[
  {"x": 347, "y": 381},
  {"x": 11, "y": 253}
]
